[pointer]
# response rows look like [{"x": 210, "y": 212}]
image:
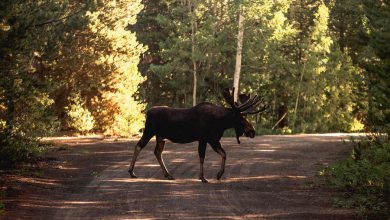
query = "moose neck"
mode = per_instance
[{"x": 229, "y": 118}]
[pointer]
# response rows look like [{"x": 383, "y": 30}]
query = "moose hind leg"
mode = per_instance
[
  {"x": 202, "y": 153},
  {"x": 218, "y": 148},
  {"x": 137, "y": 149},
  {"x": 160, "y": 144}
]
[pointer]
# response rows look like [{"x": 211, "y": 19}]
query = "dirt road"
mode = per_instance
[{"x": 269, "y": 177}]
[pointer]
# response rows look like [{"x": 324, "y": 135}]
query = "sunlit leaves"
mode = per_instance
[
  {"x": 79, "y": 118},
  {"x": 320, "y": 33},
  {"x": 288, "y": 52},
  {"x": 282, "y": 30},
  {"x": 84, "y": 48},
  {"x": 116, "y": 55}
]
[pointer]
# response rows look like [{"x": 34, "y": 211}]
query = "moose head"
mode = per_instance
[{"x": 246, "y": 106}]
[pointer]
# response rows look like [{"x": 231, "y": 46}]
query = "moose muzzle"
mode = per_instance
[{"x": 250, "y": 133}]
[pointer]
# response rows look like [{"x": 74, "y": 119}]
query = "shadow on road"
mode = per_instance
[{"x": 266, "y": 177}]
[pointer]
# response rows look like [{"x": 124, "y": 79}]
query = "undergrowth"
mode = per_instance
[
  {"x": 16, "y": 149},
  {"x": 364, "y": 178}
]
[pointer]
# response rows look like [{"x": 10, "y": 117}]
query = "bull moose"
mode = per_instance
[{"x": 204, "y": 123}]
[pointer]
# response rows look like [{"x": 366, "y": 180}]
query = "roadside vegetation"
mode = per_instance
[{"x": 364, "y": 178}]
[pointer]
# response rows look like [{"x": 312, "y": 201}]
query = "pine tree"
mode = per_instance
[{"x": 378, "y": 68}]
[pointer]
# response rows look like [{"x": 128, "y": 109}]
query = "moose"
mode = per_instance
[{"x": 204, "y": 123}]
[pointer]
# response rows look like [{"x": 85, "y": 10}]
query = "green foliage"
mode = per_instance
[
  {"x": 79, "y": 117},
  {"x": 50, "y": 50},
  {"x": 17, "y": 147},
  {"x": 364, "y": 177},
  {"x": 109, "y": 23},
  {"x": 290, "y": 56},
  {"x": 378, "y": 65},
  {"x": 168, "y": 63},
  {"x": 88, "y": 51},
  {"x": 25, "y": 104}
]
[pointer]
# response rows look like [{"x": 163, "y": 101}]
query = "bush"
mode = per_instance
[
  {"x": 80, "y": 118},
  {"x": 364, "y": 177},
  {"x": 16, "y": 147}
]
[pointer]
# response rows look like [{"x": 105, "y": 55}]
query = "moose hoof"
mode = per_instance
[
  {"x": 203, "y": 180},
  {"x": 170, "y": 177},
  {"x": 219, "y": 175},
  {"x": 132, "y": 175}
]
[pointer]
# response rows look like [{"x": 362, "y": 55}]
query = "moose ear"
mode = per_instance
[{"x": 228, "y": 97}]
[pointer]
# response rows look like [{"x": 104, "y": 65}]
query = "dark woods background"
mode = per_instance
[
  {"x": 94, "y": 66},
  {"x": 322, "y": 62}
]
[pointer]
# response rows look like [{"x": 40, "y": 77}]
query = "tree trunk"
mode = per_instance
[
  {"x": 194, "y": 67},
  {"x": 298, "y": 93},
  {"x": 240, "y": 37},
  {"x": 10, "y": 106}
]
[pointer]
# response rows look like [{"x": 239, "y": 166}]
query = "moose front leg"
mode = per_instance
[
  {"x": 160, "y": 143},
  {"x": 218, "y": 148},
  {"x": 202, "y": 153}
]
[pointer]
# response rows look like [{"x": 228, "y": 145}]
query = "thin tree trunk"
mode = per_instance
[
  {"x": 194, "y": 67},
  {"x": 194, "y": 71},
  {"x": 10, "y": 106},
  {"x": 240, "y": 37},
  {"x": 299, "y": 91}
]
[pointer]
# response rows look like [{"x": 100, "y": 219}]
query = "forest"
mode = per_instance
[{"x": 80, "y": 67}]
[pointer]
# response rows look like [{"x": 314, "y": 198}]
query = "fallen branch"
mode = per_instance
[{"x": 279, "y": 120}]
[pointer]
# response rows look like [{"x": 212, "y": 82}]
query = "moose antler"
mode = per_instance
[
  {"x": 262, "y": 109},
  {"x": 249, "y": 104},
  {"x": 229, "y": 97}
]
